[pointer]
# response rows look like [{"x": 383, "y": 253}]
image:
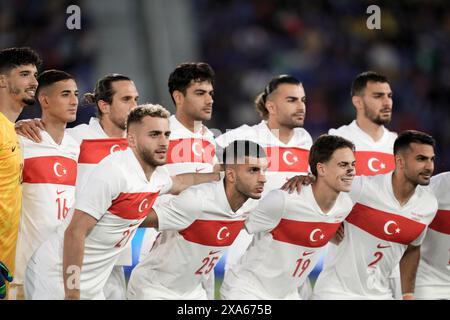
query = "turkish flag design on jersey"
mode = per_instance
[
  {"x": 216, "y": 233},
  {"x": 50, "y": 169},
  {"x": 92, "y": 151},
  {"x": 384, "y": 225},
  {"x": 287, "y": 159},
  {"x": 305, "y": 234},
  {"x": 190, "y": 150},
  {"x": 133, "y": 206},
  {"x": 441, "y": 222},
  {"x": 370, "y": 163}
]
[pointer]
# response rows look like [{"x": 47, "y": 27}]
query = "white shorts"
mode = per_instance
[
  {"x": 154, "y": 291},
  {"x": 116, "y": 286},
  {"x": 41, "y": 283},
  {"x": 234, "y": 288}
]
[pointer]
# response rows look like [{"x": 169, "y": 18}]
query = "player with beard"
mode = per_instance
[
  {"x": 114, "y": 200},
  {"x": 372, "y": 98},
  {"x": 18, "y": 72},
  {"x": 197, "y": 226},
  {"x": 282, "y": 107},
  {"x": 191, "y": 145},
  {"x": 114, "y": 95},
  {"x": 385, "y": 228}
]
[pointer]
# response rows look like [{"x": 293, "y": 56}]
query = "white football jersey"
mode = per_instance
[
  {"x": 48, "y": 192},
  {"x": 433, "y": 275},
  {"x": 285, "y": 162},
  {"x": 377, "y": 232},
  {"x": 195, "y": 229},
  {"x": 95, "y": 145},
  {"x": 120, "y": 197},
  {"x": 189, "y": 152},
  {"x": 290, "y": 231},
  {"x": 372, "y": 157}
]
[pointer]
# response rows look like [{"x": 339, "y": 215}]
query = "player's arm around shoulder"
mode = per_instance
[
  {"x": 177, "y": 213},
  {"x": 267, "y": 213},
  {"x": 73, "y": 252},
  {"x": 183, "y": 181}
]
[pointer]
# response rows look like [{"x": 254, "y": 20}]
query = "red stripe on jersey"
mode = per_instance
[
  {"x": 50, "y": 169},
  {"x": 92, "y": 151},
  {"x": 370, "y": 163},
  {"x": 305, "y": 234},
  {"x": 441, "y": 222},
  {"x": 287, "y": 159},
  {"x": 215, "y": 233},
  {"x": 190, "y": 150},
  {"x": 133, "y": 205},
  {"x": 384, "y": 225}
]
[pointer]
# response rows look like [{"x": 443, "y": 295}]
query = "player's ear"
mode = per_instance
[
  {"x": 320, "y": 169},
  {"x": 270, "y": 106},
  {"x": 399, "y": 160},
  {"x": 104, "y": 106},
  {"x": 178, "y": 97},
  {"x": 43, "y": 100},
  {"x": 3, "y": 81},
  {"x": 357, "y": 102},
  {"x": 131, "y": 136},
  {"x": 230, "y": 174}
]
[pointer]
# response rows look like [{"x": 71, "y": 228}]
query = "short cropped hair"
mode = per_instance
[
  {"x": 323, "y": 148},
  {"x": 49, "y": 77},
  {"x": 153, "y": 110},
  {"x": 11, "y": 58},
  {"x": 183, "y": 75},
  {"x": 360, "y": 82},
  {"x": 235, "y": 152},
  {"x": 407, "y": 137},
  {"x": 260, "y": 101}
]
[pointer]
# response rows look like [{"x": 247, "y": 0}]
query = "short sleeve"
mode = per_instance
[
  {"x": 180, "y": 211},
  {"x": 333, "y": 132},
  {"x": 420, "y": 238},
  {"x": 101, "y": 187},
  {"x": 164, "y": 180},
  {"x": 440, "y": 185},
  {"x": 357, "y": 188},
  {"x": 268, "y": 213}
]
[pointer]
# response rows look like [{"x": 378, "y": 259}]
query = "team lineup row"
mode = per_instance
[{"x": 81, "y": 193}]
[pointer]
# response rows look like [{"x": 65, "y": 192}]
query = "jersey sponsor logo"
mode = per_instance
[
  {"x": 92, "y": 151},
  {"x": 52, "y": 170},
  {"x": 441, "y": 222},
  {"x": 380, "y": 246},
  {"x": 133, "y": 206},
  {"x": 59, "y": 192},
  {"x": 305, "y": 234},
  {"x": 190, "y": 150},
  {"x": 370, "y": 163},
  {"x": 214, "y": 252},
  {"x": 385, "y": 225},
  {"x": 217, "y": 233},
  {"x": 287, "y": 159},
  {"x": 307, "y": 253},
  {"x": 197, "y": 170}
]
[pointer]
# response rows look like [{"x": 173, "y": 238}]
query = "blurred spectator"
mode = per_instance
[{"x": 326, "y": 44}]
